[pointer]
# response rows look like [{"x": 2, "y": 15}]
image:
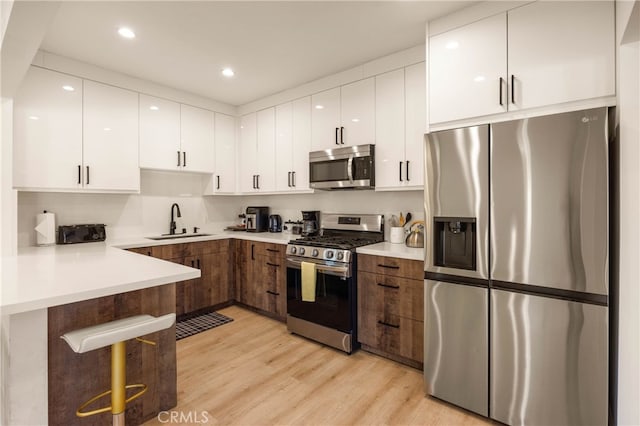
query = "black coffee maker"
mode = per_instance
[{"x": 310, "y": 223}]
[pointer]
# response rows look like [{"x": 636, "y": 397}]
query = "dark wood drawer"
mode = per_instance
[
  {"x": 413, "y": 269},
  {"x": 395, "y": 335},
  {"x": 390, "y": 295},
  {"x": 269, "y": 249},
  {"x": 175, "y": 251}
]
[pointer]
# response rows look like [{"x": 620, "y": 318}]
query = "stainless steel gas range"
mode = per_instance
[{"x": 331, "y": 317}]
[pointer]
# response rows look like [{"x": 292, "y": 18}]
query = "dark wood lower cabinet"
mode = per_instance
[{"x": 74, "y": 378}]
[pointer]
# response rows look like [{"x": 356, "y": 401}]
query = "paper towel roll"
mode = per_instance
[{"x": 45, "y": 229}]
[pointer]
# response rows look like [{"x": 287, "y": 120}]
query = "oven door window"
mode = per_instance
[{"x": 332, "y": 306}]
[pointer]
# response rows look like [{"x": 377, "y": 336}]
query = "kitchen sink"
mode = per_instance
[{"x": 176, "y": 236}]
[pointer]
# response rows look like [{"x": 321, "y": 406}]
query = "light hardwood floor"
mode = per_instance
[{"x": 253, "y": 372}]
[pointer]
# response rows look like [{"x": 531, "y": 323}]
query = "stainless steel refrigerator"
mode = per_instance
[{"x": 516, "y": 269}]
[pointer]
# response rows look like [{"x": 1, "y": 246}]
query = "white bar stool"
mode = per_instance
[{"x": 116, "y": 333}]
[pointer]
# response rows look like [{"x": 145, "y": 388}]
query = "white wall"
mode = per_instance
[{"x": 628, "y": 21}]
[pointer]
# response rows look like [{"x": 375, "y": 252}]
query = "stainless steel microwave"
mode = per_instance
[{"x": 350, "y": 167}]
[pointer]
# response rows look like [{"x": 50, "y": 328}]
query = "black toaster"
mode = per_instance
[{"x": 89, "y": 233}]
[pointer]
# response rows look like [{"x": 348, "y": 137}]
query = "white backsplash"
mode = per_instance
[{"x": 149, "y": 213}]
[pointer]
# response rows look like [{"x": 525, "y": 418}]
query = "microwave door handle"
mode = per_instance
[{"x": 350, "y": 168}]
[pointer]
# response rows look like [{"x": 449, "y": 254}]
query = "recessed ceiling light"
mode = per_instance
[
  {"x": 68, "y": 88},
  {"x": 107, "y": 129},
  {"x": 126, "y": 32},
  {"x": 479, "y": 78},
  {"x": 228, "y": 72},
  {"x": 319, "y": 106},
  {"x": 355, "y": 120},
  {"x": 452, "y": 45},
  {"x": 153, "y": 108},
  {"x": 33, "y": 117}
]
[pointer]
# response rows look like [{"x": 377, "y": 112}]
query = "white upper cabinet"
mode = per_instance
[
  {"x": 467, "y": 70},
  {"x": 541, "y": 54},
  {"x": 71, "y": 134},
  {"x": 110, "y": 138},
  {"x": 561, "y": 52},
  {"x": 174, "y": 136},
  {"x": 47, "y": 127},
  {"x": 266, "y": 150},
  {"x": 197, "y": 139},
  {"x": 247, "y": 153},
  {"x": 400, "y": 126},
  {"x": 301, "y": 143},
  {"x": 325, "y": 120},
  {"x": 159, "y": 133},
  {"x": 358, "y": 112},
  {"x": 293, "y": 143},
  {"x": 224, "y": 179},
  {"x": 344, "y": 116}
]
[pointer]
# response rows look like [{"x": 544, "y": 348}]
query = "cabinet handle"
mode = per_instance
[
  {"x": 407, "y": 170},
  {"x": 79, "y": 174},
  {"x": 178, "y": 158},
  {"x": 273, "y": 250},
  {"x": 388, "y": 266},
  {"x": 218, "y": 181},
  {"x": 184, "y": 159},
  {"x": 500, "y": 92},
  {"x": 341, "y": 135},
  {"x": 275, "y": 265},
  {"x": 513, "y": 89},
  {"x": 386, "y": 324},
  {"x": 293, "y": 179},
  {"x": 257, "y": 181},
  {"x": 273, "y": 293},
  {"x": 389, "y": 286},
  {"x": 148, "y": 253},
  {"x": 87, "y": 175},
  {"x": 198, "y": 263},
  {"x": 289, "y": 179},
  {"x": 192, "y": 263},
  {"x": 252, "y": 247},
  {"x": 254, "y": 181},
  {"x": 400, "y": 171}
]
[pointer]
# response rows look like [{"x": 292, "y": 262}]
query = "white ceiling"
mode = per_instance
[{"x": 272, "y": 46}]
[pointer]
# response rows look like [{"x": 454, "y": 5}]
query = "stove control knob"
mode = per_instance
[
  {"x": 314, "y": 253},
  {"x": 340, "y": 255},
  {"x": 329, "y": 254},
  {"x": 293, "y": 250},
  {"x": 301, "y": 251}
]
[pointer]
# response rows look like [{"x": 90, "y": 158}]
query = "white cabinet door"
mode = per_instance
[
  {"x": 390, "y": 129},
  {"x": 467, "y": 70},
  {"x": 110, "y": 138},
  {"x": 325, "y": 119},
  {"x": 248, "y": 153},
  {"x": 47, "y": 126},
  {"x": 561, "y": 52},
  {"x": 301, "y": 143},
  {"x": 358, "y": 113},
  {"x": 415, "y": 124},
  {"x": 266, "y": 151},
  {"x": 284, "y": 147},
  {"x": 224, "y": 179},
  {"x": 197, "y": 139},
  {"x": 159, "y": 134}
]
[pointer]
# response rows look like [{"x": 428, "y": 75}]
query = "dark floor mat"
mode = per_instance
[{"x": 200, "y": 323}]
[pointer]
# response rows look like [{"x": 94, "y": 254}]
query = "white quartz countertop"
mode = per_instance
[
  {"x": 393, "y": 250},
  {"x": 265, "y": 237},
  {"x": 41, "y": 277}
]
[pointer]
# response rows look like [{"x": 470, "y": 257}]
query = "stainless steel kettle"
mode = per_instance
[{"x": 416, "y": 236}]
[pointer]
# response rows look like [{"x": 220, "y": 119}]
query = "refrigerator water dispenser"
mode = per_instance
[{"x": 455, "y": 242}]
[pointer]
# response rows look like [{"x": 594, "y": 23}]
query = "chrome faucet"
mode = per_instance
[{"x": 172, "y": 225}]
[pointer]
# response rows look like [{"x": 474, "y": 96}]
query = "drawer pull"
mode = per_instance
[
  {"x": 388, "y": 266},
  {"x": 273, "y": 264},
  {"x": 389, "y": 286},
  {"x": 273, "y": 250},
  {"x": 386, "y": 324},
  {"x": 273, "y": 293}
]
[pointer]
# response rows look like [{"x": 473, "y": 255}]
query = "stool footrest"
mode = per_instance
[{"x": 81, "y": 413}]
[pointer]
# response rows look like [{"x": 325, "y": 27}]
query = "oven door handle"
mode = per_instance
[
  {"x": 336, "y": 270},
  {"x": 350, "y": 168}
]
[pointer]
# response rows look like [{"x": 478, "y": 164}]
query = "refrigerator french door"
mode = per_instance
[{"x": 541, "y": 259}]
